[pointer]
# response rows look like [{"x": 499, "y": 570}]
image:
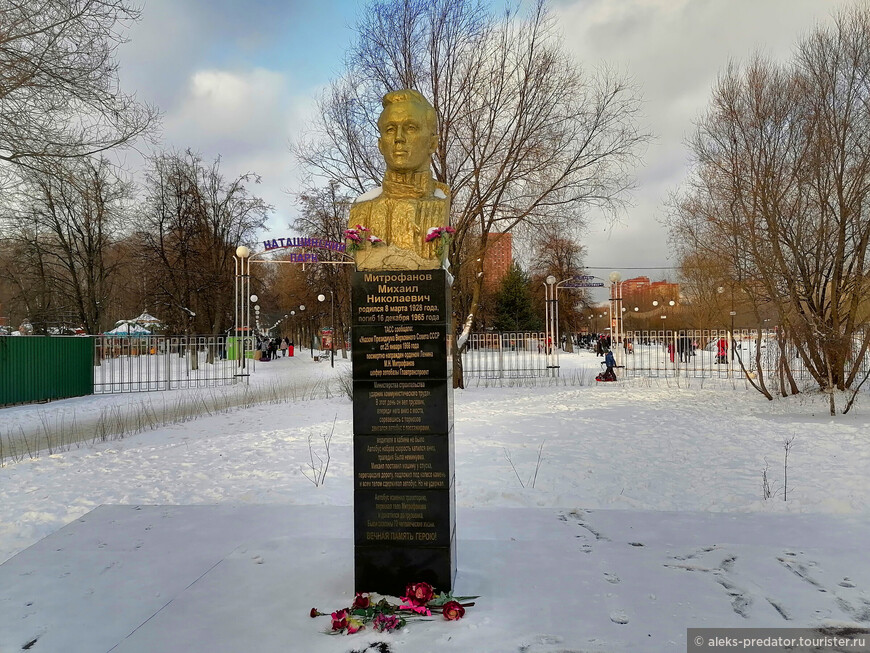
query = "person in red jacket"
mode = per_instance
[{"x": 721, "y": 351}]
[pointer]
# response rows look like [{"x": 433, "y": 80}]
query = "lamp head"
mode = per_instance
[
  {"x": 321, "y": 298},
  {"x": 551, "y": 279},
  {"x": 242, "y": 251},
  {"x": 254, "y": 298},
  {"x": 615, "y": 277}
]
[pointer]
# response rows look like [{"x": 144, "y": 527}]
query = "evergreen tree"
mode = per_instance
[{"x": 513, "y": 303}]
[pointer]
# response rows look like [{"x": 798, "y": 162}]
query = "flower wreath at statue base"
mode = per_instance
[{"x": 420, "y": 602}]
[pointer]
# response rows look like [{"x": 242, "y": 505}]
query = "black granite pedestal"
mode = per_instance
[{"x": 404, "y": 495}]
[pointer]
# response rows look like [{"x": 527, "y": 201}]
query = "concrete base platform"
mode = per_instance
[{"x": 242, "y": 579}]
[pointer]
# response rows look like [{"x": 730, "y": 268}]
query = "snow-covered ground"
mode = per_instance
[{"x": 640, "y": 447}]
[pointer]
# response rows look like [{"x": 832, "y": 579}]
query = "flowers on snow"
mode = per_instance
[
  {"x": 362, "y": 600},
  {"x": 339, "y": 620},
  {"x": 354, "y": 626},
  {"x": 453, "y": 610},
  {"x": 418, "y": 594},
  {"x": 420, "y": 600},
  {"x": 386, "y": 623}
]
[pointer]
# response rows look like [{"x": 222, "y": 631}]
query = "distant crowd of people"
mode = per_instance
[{"x": 269, "y": 348}]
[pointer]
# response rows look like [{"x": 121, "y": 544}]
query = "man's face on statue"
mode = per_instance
[{"x": 406, "y": 141}]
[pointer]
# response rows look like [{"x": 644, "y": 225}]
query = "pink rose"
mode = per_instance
[{"x": 453, "y": 611}]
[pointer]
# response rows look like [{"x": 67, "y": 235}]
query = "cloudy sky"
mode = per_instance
[{"x": 238, "y": 79}]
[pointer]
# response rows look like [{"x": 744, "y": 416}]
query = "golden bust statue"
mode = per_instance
[{"x": 409, "y": 202}]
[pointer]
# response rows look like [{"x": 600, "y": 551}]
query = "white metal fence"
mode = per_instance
[
  {"x": 507, "y": 355},
  {"x": 145, "y": 363},
  {"x": 711, "y": 353},
  {"x": 697, "y": 353}
]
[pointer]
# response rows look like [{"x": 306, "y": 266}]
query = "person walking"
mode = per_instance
[
  {"x": 721, "y": 351},
  {"x": 284, "y": 345},
  {"x": 684, "y": 347}
]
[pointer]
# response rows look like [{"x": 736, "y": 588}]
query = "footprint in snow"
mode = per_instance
[
  {"x": 619, "y": 617},
  {"x": 546, "y": 644}
]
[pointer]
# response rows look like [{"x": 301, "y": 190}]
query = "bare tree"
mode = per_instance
[
  {"x": 65, "y": 224},
  {"x": 700, "y": 281},
  {"x": 59, "y": 92},
  {"x": 524, "y": 136},
  {"x": 324, "y": 214},
  {"x": 781, "y": 189},
  {"x": 193, "y": 220},
  {"x": 559, "y": 254}
]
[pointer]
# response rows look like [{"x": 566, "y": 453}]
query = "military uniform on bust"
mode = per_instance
[{"x": 410, "y": 201}]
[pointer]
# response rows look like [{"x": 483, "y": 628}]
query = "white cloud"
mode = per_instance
[
  {"x": 248, "y": 118},
  {"x": 241, "y": 109}
]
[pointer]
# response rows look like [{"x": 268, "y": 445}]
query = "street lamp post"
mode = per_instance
[
  {"x": 256, "y": 329},
  {"x": 321, "y": 298},
  {"x": 550, "y": 309},
  {"x": 302, "y": 334},
  {"x": 242, "y": 312},
  {"x": 616, "y": 313}
]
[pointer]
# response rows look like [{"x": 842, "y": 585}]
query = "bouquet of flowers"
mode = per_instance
[
  {"x": 358, "y": 236},
  {"x": 442, "y": 237},
  {"x": 420, "y": 601}
]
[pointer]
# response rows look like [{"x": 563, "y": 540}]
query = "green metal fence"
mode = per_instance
[{"x": 39, "y": 368}]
